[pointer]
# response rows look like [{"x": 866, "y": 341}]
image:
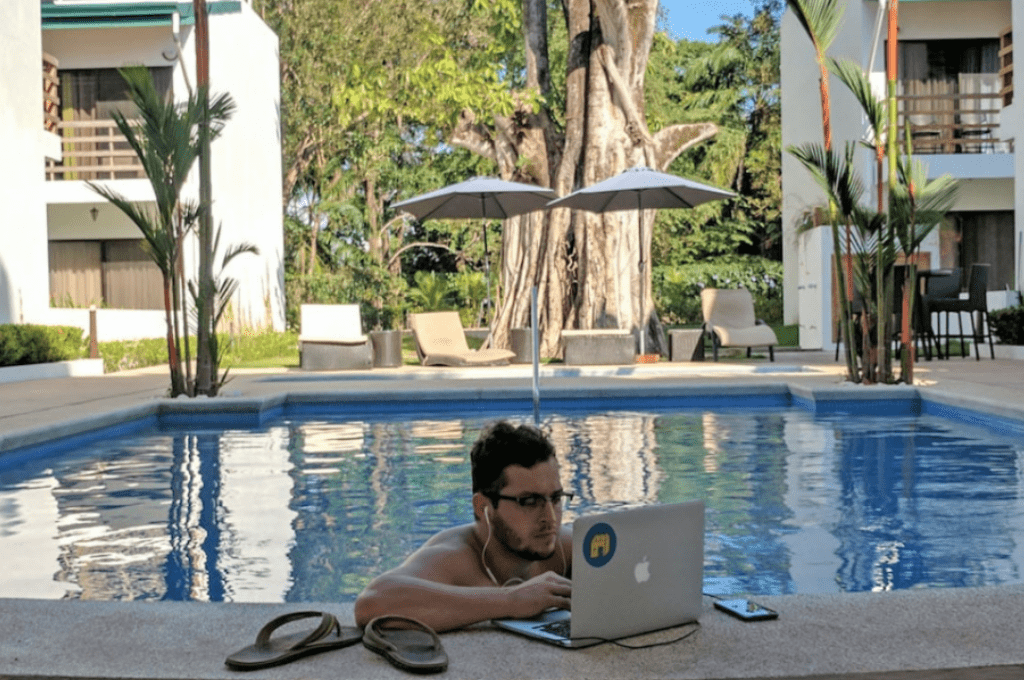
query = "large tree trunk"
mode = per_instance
[{"x": 586, "y": 266}]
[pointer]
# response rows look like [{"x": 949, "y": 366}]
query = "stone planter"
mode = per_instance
[{"x": 387, "y": 348}]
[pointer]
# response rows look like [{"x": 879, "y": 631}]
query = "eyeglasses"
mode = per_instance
[{"x": 532, "y": 501}]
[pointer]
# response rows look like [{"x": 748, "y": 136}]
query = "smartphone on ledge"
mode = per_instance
[{"x": 746, "y": 610}]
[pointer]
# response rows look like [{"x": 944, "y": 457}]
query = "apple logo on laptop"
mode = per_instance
[{"x": 642, "y": 571}]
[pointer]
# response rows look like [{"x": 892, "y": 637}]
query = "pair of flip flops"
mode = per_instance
[{"x": 407, "y": 643}]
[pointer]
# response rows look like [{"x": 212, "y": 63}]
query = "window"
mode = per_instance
[
  {"x": 116, "y": 274},
  {"x": 980, "y": 237}
]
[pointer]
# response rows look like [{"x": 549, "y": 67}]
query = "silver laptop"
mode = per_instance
[{"x": 633, "y": 571}]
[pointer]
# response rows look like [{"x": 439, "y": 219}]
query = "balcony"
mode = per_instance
[
  {"x": 93, "y": 150},
  {"x": 954, "y": 116}
]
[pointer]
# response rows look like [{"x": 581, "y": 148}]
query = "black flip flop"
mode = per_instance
[
  {"x": 269, "y": 651},
  {"x": 415, "y": 648}
]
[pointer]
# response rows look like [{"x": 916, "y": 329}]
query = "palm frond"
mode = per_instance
[
  {"x": 821, "y": 20},
  {"x": 853, "y": 76}
]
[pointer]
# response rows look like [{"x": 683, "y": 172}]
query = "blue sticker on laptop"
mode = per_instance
[{"x": 599, "y": 545}]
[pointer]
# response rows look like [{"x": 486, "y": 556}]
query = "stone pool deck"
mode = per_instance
[{"x": 972, "y": 634}]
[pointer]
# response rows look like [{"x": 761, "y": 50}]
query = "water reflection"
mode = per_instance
[{"x": 311, "y": 510}]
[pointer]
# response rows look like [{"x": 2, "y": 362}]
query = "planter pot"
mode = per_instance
[
  {"x": 57, "y": 369},
  {"x": 1010, "y": 352},
  {"x": 387, "y": 348}
]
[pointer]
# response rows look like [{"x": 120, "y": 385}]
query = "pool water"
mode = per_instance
[{"x": 310, "y": 509}]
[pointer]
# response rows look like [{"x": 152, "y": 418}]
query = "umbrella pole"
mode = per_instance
[
  {"x": 643, "y": 272},
  {"x": 536, "y": 355}
]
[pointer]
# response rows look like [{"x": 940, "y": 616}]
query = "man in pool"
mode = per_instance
[{"x": 513, "y": 560}]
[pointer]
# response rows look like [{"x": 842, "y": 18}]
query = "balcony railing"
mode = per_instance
[
  {"x": 51, "y": 94},
  {"x": 1006, "y": 64},
  {"x": 954, "y": 116},
  {"x": 94, "y": 149}
]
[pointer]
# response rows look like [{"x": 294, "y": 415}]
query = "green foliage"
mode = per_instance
[
  {"x": 22, "y": 344},
  {"x": 348, "y": 287},
  {"x": 1008, "y": 325},
  {"x": 123, "y": 355},
  {"x": 734, "y": 84},
  {"x": 433, "y": 292},
  {"x": 677, "y": 289},
  {"x": 250, "y": 347}
]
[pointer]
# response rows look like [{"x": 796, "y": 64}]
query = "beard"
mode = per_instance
[{"x": 515, "y": 545}]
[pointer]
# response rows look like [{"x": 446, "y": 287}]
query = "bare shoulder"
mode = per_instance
[{"x": 447, "y": 557}]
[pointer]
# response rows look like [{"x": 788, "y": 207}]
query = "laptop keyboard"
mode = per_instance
[{"x": 560, "y": 628}]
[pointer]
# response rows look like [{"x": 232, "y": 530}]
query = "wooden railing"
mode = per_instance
[
  {"x": 94, "y": 149},
  {"x": 1006, "y": 65},
  {"x": 51, "y": 94},
  {"x": 954, "y": 116}
]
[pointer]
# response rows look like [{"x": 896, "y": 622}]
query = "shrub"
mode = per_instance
[
  {"x": 677, "y": 289},
  {"x": 1008, "y": 325},
  {"x": 123, "y": 355},
  {"x": 22, "y": 344}
]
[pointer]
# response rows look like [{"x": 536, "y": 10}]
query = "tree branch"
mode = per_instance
[
  {"x": 671, "y": 141},
  {"x": 407, "y": 246}
]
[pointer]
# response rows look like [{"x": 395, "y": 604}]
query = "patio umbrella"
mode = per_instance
[
  {"x": 478, "y": 197},
  {"x": 641, "y": 188},
  {"x": 487, "y": 197}
]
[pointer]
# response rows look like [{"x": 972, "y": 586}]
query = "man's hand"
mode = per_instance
[{"x": 540, "y": 593}]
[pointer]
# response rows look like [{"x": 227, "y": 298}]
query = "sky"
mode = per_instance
[{"x": 691, "y": 19}]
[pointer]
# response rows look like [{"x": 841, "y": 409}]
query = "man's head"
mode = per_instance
[
  {"x": 517, "y": 494},
  {"x": 500, "y": 445}
]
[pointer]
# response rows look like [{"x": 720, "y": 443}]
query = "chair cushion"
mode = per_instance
[
  {"x": 331, "y": 323},
  {"x": 752, "y": 336}
]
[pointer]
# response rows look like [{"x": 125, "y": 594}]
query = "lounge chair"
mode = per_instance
[
  {"x": 331, "y": 338},
  {"x": 729, "y": 321},
  {"x": 441, "y": 341}
]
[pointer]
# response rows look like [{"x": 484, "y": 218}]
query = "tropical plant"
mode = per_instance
[
  {"x": 432, "y": 292},
  {"x": 224, "y": 288},
  {"x": 166, "y": 142},
  {"x": 875, "y": 240}
]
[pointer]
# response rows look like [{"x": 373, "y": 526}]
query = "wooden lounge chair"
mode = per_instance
[
  {"x": 331, "y": 338},
  {"x": 441, "y": 341},
  {"x": 729, "y": 321}
]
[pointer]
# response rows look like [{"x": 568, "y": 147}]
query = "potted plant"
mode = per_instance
[
  {"x": 1008, "y": 326},
  {"x": 385, "y": 336}
]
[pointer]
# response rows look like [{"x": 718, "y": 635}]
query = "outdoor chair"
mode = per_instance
[
  {"x": 331, "y": 338},
  {"x": 944, "y": 284},
  {"x": 729, "y": 321},
  {"x": 976, "y": 303},
  {"x": 441, "y": 341}
]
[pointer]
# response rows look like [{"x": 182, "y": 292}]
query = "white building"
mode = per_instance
[
  {"x": 63, "y": 246},
  {"x": 953, "y": 66}
]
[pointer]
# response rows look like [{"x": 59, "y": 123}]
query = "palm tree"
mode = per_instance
[
  {"x": 821, "y": 20},
  {"x": 166, "y": 143}
]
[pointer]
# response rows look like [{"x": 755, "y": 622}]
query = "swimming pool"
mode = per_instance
[{"x": 311, "y": 503}]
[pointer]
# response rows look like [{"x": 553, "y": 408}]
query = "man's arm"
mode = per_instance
[
  {"x": 447, "y": 607},
  {"x": 437, "y": 586}
]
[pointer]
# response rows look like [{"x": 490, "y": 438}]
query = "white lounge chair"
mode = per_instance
[
  {"x": 331, "y": 338},
  {"x": 441, "y": 341},
  {"x": 729, "y": 321}
]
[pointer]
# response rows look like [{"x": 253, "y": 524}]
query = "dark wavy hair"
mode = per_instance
[{"x": 501, "y": 444}]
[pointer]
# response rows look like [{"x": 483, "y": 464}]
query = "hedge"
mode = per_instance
[
  {"x": 22, "y": 344},
  {"x": 1008, "y": 325},
  {"x": 677, "y": 289}
]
